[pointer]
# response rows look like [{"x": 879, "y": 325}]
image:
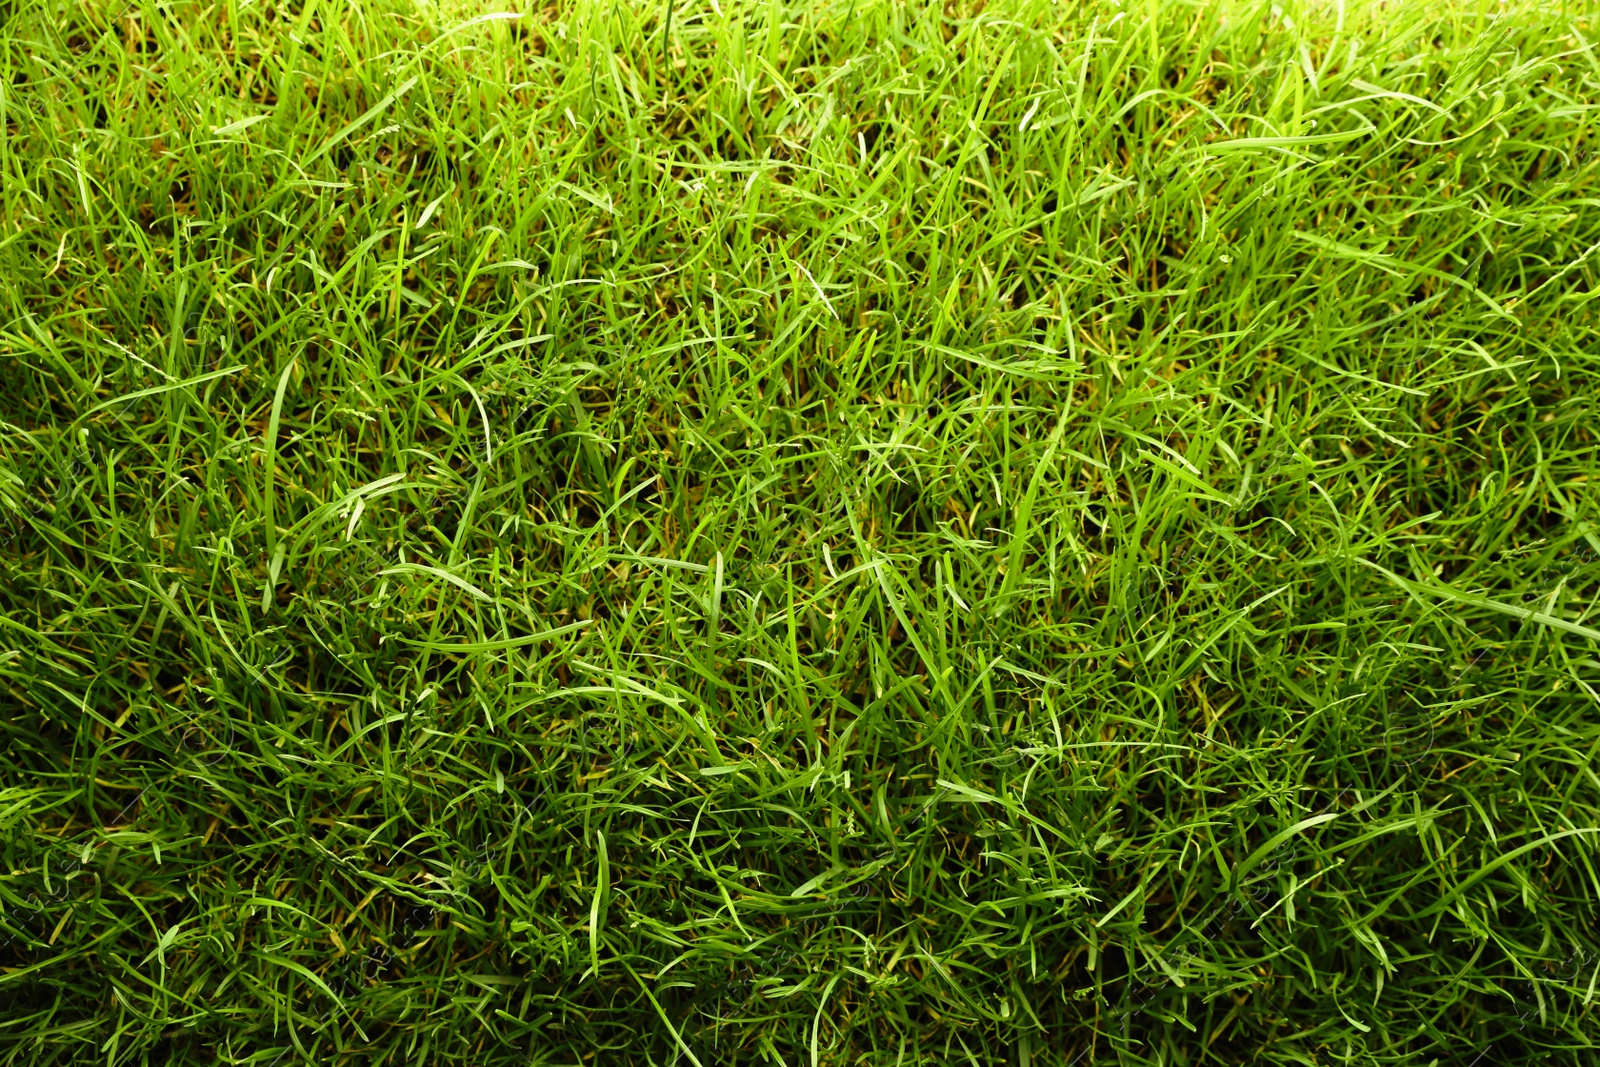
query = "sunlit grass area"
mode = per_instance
[{"x": 831, "y": 533}]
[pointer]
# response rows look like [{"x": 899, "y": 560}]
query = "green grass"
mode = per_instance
[{"x": 821, "y": 533}]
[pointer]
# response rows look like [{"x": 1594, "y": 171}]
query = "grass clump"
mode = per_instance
[{"x": 820, "y": 533}]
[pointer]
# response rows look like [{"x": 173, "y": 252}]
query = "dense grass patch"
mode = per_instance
[{"x": 828, "y": 533}]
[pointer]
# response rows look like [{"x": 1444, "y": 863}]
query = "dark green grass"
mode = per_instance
[{"x": 816, "y": 534}]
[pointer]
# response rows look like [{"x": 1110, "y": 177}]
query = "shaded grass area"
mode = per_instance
[{"x": 826, "y": 533}]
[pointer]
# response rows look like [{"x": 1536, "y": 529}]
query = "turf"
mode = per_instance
[{"x": 824, "y": 533}]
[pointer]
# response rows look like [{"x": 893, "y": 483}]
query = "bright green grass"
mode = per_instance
[{"x": 815, "y": 534}]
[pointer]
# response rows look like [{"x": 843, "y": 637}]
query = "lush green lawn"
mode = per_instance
[{"x": 838, "y": 533}]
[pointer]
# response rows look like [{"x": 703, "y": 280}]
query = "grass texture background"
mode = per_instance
[{"x": 798, "y": 533}]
